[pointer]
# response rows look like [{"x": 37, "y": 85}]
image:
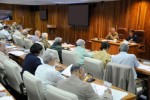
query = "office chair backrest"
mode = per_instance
[
  {"x": 69, "y": 57},
  {"x": 13, "y": 70},
  {"x": 33, "y": 86},
  {"x": 53, "y": 93},
  {"x": 94, "y": 67},
  {"x": 27, "y": 43}
]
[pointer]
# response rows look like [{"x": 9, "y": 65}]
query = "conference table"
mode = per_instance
[
  {"x": 114, "y": 46},
  {"x": 60, "y": 67},
  {"x": 4, "y": 94},
  {"x": 146, "y": 72}
]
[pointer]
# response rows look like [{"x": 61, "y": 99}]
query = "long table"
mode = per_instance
[
  {"x": 147, "y": 73},
  {"x": 114, "y": 46},
  {"x": 5, "y": 91},
  {"x": 61, "y": 67}
]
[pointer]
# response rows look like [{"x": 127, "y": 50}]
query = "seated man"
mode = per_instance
[
  {"x": 81, "y": 51},
  {"x": 25, "y": 33},
  {"x": 112, "y": 34},
  {"x": 45, "y": 40},
  {"x": 83, "y": 90},
  {"x": 57, "y": 46},
  {"x": 47, "y": 72},
  {"x": 18, "y": 31},
  {"x": 126, "y": 59},
  {"x": 132, "y": 37},
  {"x": 36, "y": 37},
  {"x": 5, "y": 33}
]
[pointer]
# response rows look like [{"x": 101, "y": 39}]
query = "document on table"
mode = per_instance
[
  {"x": 144, "y": 67},
  {"x": 6, "y": 98},
  {"x": 17, "y": 53},
  {"x": 9, "y": 47},
  {"x": 100, "y": 89},
  {"x": 67, "y": 71},
  {"x": 2, "y": 88}
]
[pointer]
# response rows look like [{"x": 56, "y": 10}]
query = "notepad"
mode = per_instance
[
  {"x": 100, "y": 89},
  {"x": 144, "y": 67},
  {"x": 67, "y": 71},
  {"x": 17, "y": 53}
]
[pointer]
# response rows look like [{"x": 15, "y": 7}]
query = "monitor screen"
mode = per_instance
[
  {"x": 78, "y": 15},
  {"x": 6, "y": 15},
  {"x": 43, "y": 15}
]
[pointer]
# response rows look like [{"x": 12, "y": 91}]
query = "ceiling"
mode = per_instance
[{"x": 48, "y": 2}]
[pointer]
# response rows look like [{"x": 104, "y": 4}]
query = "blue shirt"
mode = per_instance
[
  {"x": 126, "y": 59},
  {"x": 81, "y": 53}
]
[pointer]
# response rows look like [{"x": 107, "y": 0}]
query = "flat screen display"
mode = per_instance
[
  {"x": 78, "y": 15},
  {"x": 43, "y": 15},
  {"x": 6, "y": 15}
]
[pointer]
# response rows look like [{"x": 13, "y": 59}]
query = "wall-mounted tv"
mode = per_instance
[
  {"x": 6, "y": 15},
  {"x": 43, "y": 14},
  {"x": 78, "y": 15}
]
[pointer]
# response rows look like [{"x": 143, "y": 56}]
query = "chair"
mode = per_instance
[
  {"x": 27, "y": 43},
  {"x": 141, "y": 41},
  {"x": 33, "y": 86},
  {"x": 20, "y": 41},
  {"x": 53, "y": 93},
  {"x": 122, "y": 32},
  {"x": 140, "y": 35},
  {"x": 69, "y": 57},
  {"x": 14, "y": 39},
  {"x": 121, "y": 76},
  {"x": 94, "y": 67},
  {"x": 52, "y": 51},
  {"x": 13, "y": 76}
]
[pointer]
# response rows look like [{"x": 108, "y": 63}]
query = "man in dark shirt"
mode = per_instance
[
  {"x": 32, "y": 61},
  {"x": 57, "y": 46},
  {"x": 132, "y": 37}
]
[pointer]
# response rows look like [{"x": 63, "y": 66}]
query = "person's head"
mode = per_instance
[
  {"x": 45, "y": 36},
  {"x": 38, "y": 33},
  {"x": 36, "y": 49},
  {"x": 14, "y": 24},
  {"x": 124, "y": 47},
  {"x": 6, "y": 27},
  {"x": 49, "y": 59},
  {"x": 58, "y": 40},
  {"x": 19, "y": 28},
  {"x": 80, "y": 42},
  {"x": 131, "y": 33},
  {"x": 112, "y": 30},
  {"x": 24, "y": 32},
  {"x": 78, "y": 70},
  {"x": 105, "y": 45},
  {"x": 2, "y": 46}
]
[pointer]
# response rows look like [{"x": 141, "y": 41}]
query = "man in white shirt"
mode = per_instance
[
  {"x": 126, "y": 59},
  {"x": 5, "y": 32},
  {"x": 47, "y": 72}
]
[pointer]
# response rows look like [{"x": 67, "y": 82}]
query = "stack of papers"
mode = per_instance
[
  {"x": 117, "y": 95},
  {"x": 144, "y": 67},
  {"x": 67, "y": 71},
  {"x": 17, "y": 53},
  {"x": 6, "y": 98}
]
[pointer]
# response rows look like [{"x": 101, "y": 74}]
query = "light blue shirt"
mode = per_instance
[
  {"x": 35, "y": 39},
  {"x": 81, "y": 53},
  {"x": 126, "y": 59}
]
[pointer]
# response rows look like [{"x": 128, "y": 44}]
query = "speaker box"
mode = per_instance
[{"x": 34, "y": 8}]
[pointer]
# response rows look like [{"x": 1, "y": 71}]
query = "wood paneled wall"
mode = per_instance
[{"x": 131, "y": 14}]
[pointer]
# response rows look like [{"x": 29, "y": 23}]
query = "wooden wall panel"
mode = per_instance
[{"x": 131, "y": 14}]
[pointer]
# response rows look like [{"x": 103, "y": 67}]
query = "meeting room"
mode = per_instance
[{"x": 74, "y": 50}]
